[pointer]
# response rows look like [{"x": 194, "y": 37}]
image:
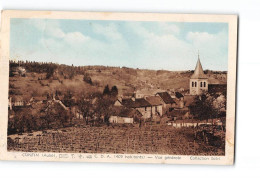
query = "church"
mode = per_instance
[{"x": 198, "y": 80}]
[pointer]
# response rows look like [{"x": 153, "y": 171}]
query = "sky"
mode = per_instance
[{"x": 137, "y": 44}]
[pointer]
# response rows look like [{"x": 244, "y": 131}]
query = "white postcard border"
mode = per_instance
[{"x": 228, "y": 159}]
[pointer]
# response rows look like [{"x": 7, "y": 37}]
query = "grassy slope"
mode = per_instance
[{"x": 127, "y": 80}]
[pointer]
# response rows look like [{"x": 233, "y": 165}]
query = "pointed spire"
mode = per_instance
[{"x": 198, "y": 72}]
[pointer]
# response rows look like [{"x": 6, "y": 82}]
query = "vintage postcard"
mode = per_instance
[{"x": 118, "y": 87}]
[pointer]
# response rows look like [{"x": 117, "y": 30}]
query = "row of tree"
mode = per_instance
[
  {"x": 30, "y": 119},
  {"x": 49, "y": 68}
]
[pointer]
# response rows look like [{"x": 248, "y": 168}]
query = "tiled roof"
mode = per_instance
[
  {"x": 137, "y": 103},
  {"x": 166, "y": 97},
  {"x": 125, "y": 112},
  {"x": 141, "y": 102},
  {"x": 127, "y": 102},
  {"x": 154, "y": 100},
  {"x": 178, "y": 95}
]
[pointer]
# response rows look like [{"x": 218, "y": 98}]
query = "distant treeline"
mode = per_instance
[
  {"x": 70, "y": 71},
  {"x": 49, "y": 68}
]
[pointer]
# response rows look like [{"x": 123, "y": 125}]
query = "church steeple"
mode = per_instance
[
  {"x": 198, "y": 72},
  {"x": 198, "y": 80}
]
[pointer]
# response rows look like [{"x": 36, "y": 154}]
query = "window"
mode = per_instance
[
  {"x": 200, "y": 84},
  {"x": 195, "y": 84},
  {"x": 192, "y": 84},
  {"x": 204, "y": 84},
  {"x": 145, "y": 109}
]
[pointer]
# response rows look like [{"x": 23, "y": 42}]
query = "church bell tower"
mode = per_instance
[{"x": 198, "y": 80}]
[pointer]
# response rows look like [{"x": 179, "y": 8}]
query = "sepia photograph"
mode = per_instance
[{"x": 126, "y": 84}]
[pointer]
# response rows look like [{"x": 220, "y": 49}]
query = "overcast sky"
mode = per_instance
[{"x": 147, "y": 45}]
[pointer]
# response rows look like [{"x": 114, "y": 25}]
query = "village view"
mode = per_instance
[{"x": 102, "y": 109}]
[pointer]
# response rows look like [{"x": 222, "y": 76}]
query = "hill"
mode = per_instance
[{"x": 44, "y": 79}]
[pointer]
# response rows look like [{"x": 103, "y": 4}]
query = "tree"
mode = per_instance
[
  {"x": 219, "y": 104},
  {"x": 87, "y": 79},
  {"x": 11, "y": 72},
  {"x": 106, "y": 90},
  {"x": 114, "y": 91},
  {"x": 24, "y": 121},
  {"x": 104, "y": 106},
  {"x": 202, "y": 108},
  {"x": 56, "y": 116},
  {"x": 67, "y": 100},
  {"x": 71, "y": 73},
  {"x": 48, "y": 118},
  {"x": 96, "y": 106},
  {"x": 50, "y": 70},
  {"x": 87, "y": 105},
  {"x": 64, "y": 117},
  {"x": 84, "y": 105}
]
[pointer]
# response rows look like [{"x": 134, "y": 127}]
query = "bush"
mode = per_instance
[{"x": 87, "y": 79}]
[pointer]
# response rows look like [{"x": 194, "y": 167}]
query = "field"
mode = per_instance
[{"x": 115, "y": 139}]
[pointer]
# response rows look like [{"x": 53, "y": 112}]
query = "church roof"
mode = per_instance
[{"x": 198, "y": 72}]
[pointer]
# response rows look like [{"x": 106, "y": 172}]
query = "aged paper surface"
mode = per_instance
[{"x": 118, "y": 87}]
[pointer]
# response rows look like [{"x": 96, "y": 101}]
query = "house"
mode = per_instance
[
  {"x": 121, "y": 120},
  {"x": 141, "y": 94},
  {"x": 61, "y": 104},
  {"x": 140, "y": 104},
  {"x": 198, "y": 80},
  {"x": 143, "y": 106},
  {"x": 179, "y": 99},
  {"x": 145, "y": 93},
  {"x": 127, "y": 102},
  {"x": 10, "y": 106},
  {"x": 16, "y": 102},
  {"x": 167, "y": 100},
  {"x": 124, "y": 115},
  {"x": 21, "y": 71},
  {"x": 119, "y": 101},
  {"x": 157, "y": 105},
  {"x": 37, "y": 99}
]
